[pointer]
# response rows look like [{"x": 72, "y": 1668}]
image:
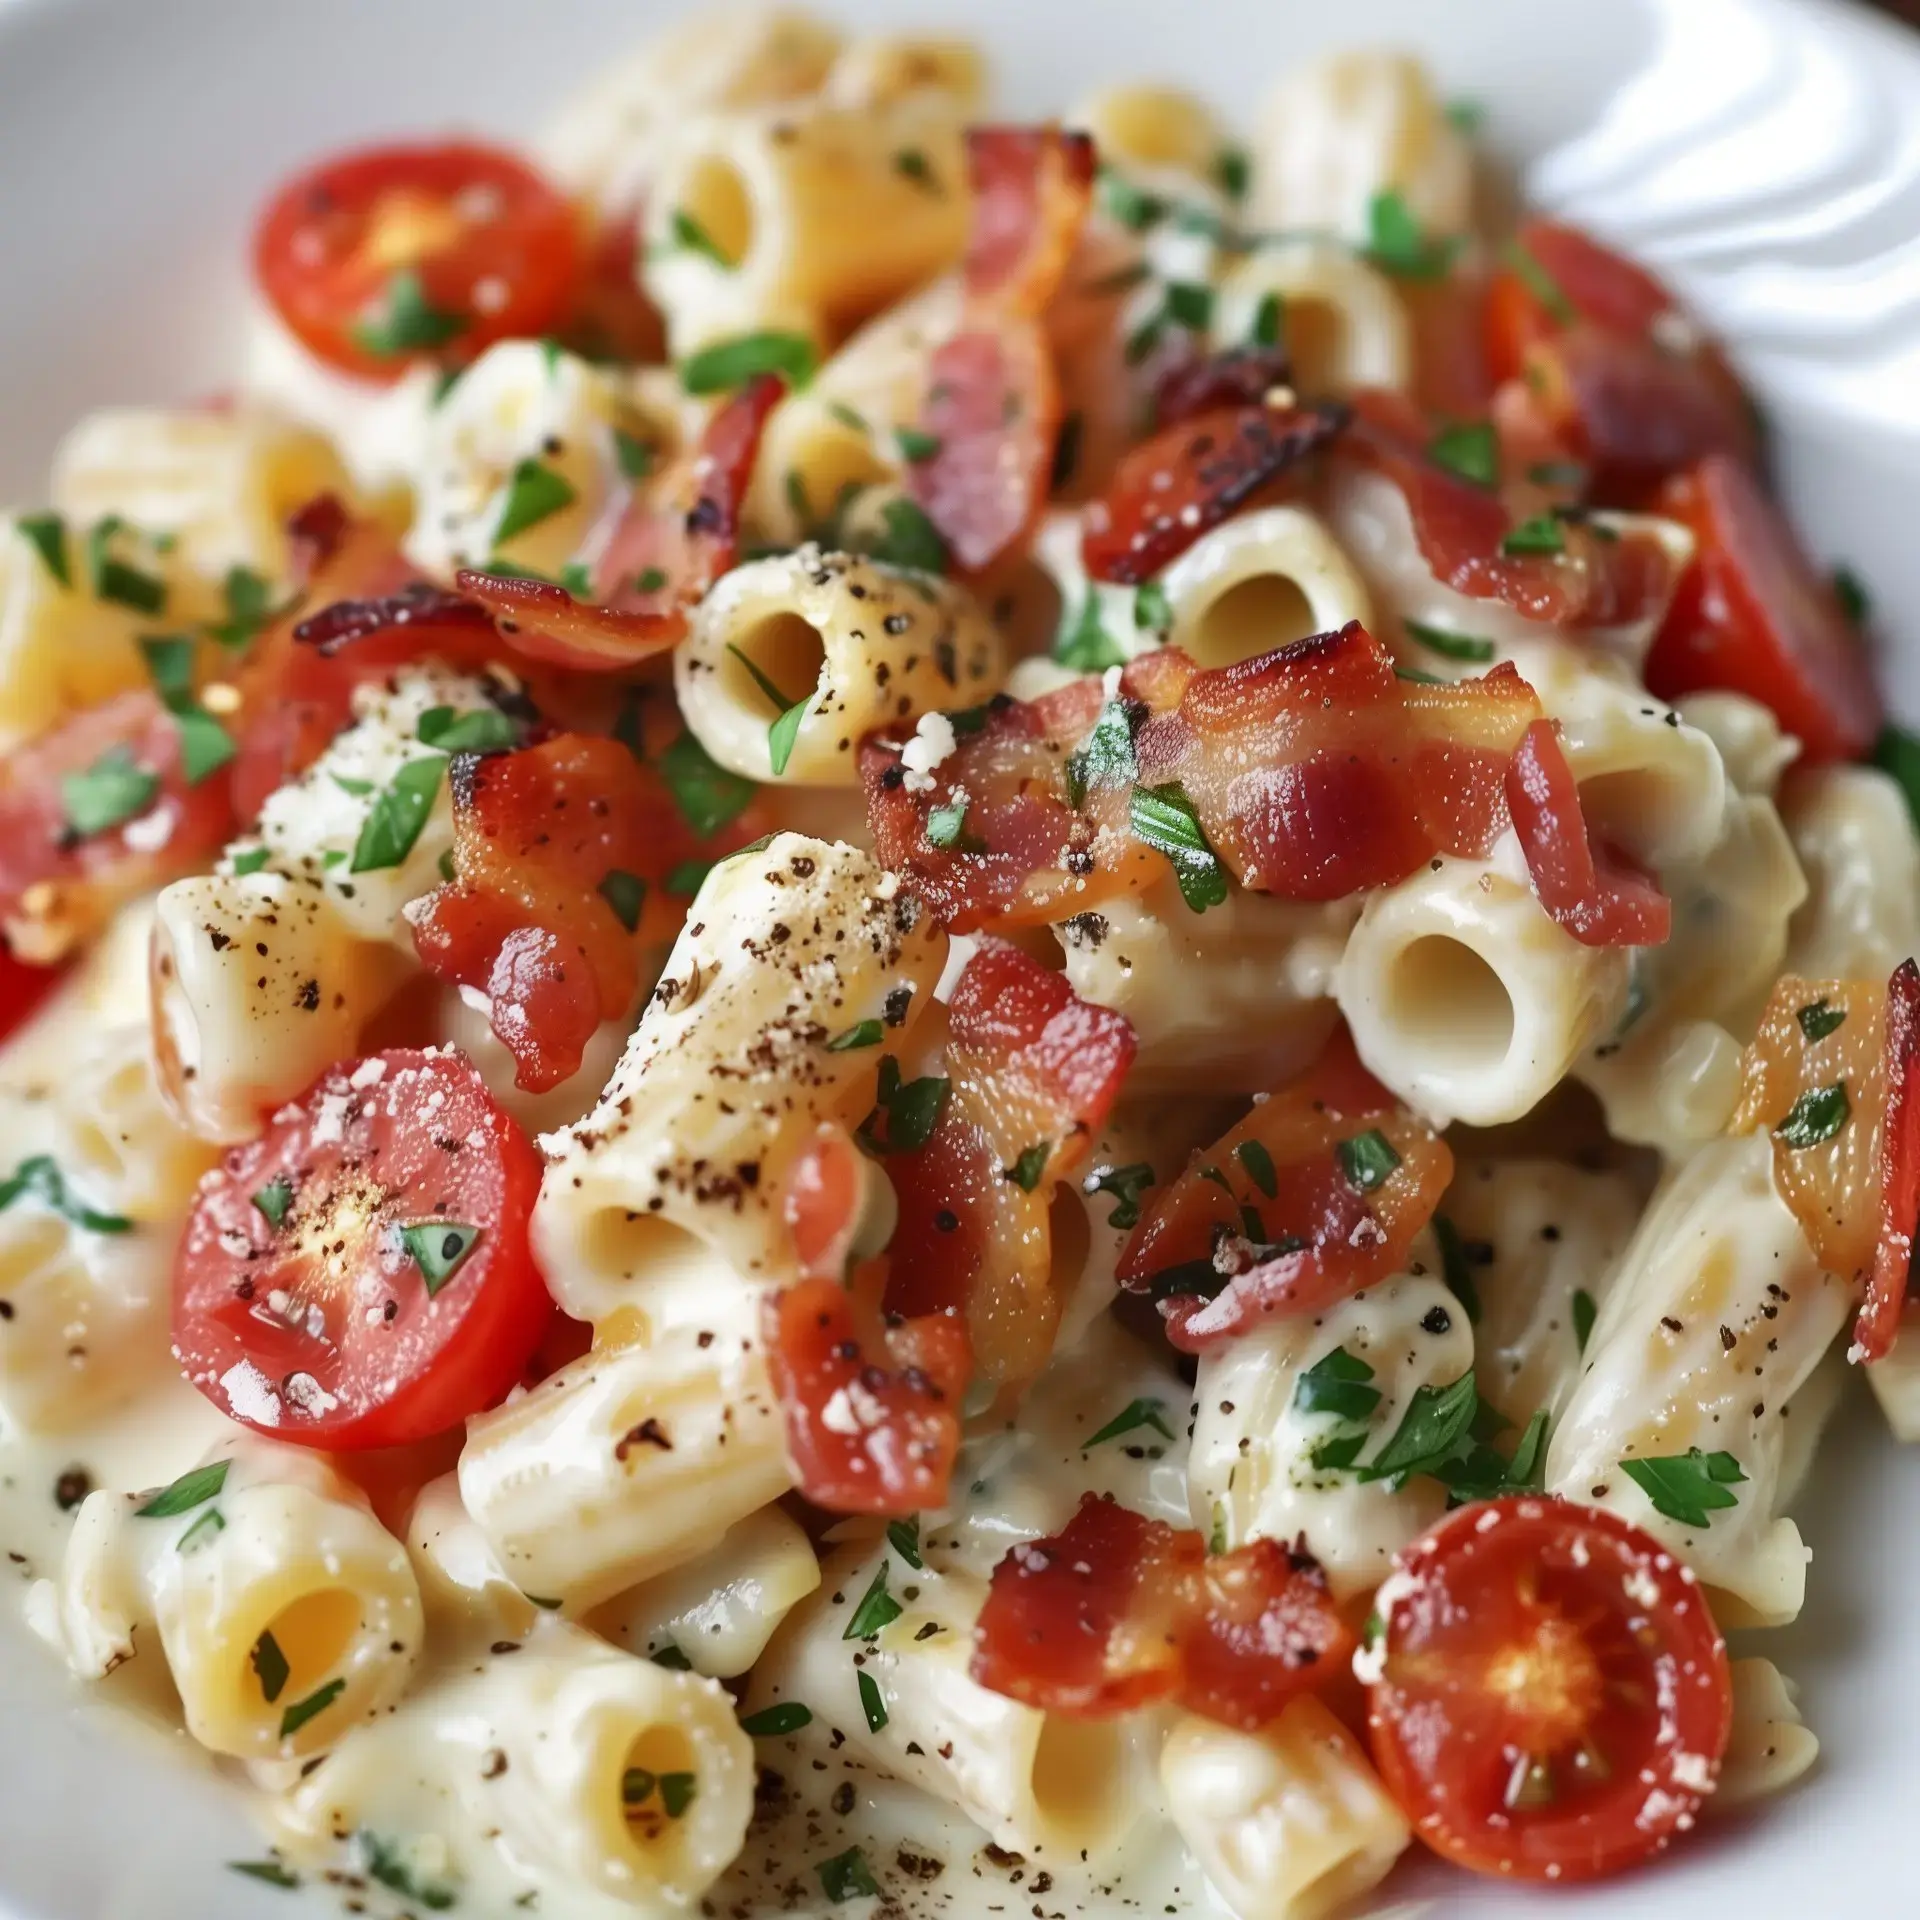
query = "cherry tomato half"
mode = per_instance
[
  {"x": 384, "y": 256},
  {"x": 22, "y": 989},
  {"x": 1553, "y": 1698},
  {"x": 359, "y": 1276}
]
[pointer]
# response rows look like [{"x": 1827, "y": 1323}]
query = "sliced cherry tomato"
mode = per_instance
[
  {"x": 1116, "y": 1611},
  {"x": 1554, "y": 275},
  {"x": 1553, "y": 1697},
  {"x": 22, "y": 989},
  {"x": 382, "y": 257},
  {"x": 1753, "y": 615},
  {"x": 360, "y": 1275}
]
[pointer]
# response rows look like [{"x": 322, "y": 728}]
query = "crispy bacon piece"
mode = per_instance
[
  {"x": 555, "y": 848},
  {"x": 993, "y": 398},
  {"x": 1195, "y": 474},
  {"x": 1461, "y": 527},
  {"x": 684, "y": 525},
  {"x": 57, "y": 886},
  {"x": 1117, "y": 1611},
  {"x": 1587, "y": 887},
  {"x": 866, "y": 1435},
  {"x": 1239, "y": 377},
  {"x": 1753, "y": 614},
  {"x": 1881, "y": 1311},
  {"x": 1315, "y": 771},
  {"x": 1316, "y": 1194},
  {"x": 1033, "y": 1072}
]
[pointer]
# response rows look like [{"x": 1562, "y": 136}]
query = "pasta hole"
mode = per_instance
[
  {"x": 313, "y": 1635},
  {"x": 789, "y": 654},
  {"x": 1446, "y": 1002},
  {"x": 1077, "y": 1767},
  {"x": 620, "y": 1245},
  {"x": 833, "y": 463},
  {"x": 1253, "y": 616},
  {"x": 1638, "y": 808},
  {"x": 1316, "y": 333},
  {"x": 714, "y": 196}
]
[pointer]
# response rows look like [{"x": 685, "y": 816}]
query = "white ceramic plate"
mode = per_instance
[{"x": 1766, "y": 153}]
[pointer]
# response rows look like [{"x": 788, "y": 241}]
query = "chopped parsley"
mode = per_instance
[
  {"x": 1485, "y": 1473},
  {"x": 1688, "y": 1487},
  {"x": 398, "y": 814},
  {"x": 788, "y": 714},
  {"x": 706, "y": 793},
  {"x": 863, "y": 1033},
  {"x": 1152, "y": 610},
  {"x": 406, "y": 321},
  {"x": 909, "y": 539},
  {"x": 687, "y": 878},
  {"x": 1453, "y": 1267},
  {"x": 625, "y": 893},
  {"x": 249, "y": 607},
  {"x": 878, "y": 1608},
  {"x": 249, "y": 861},
  {"x": 269, "y": 1871},
  {"x": 484, "y": 730},
  {"x": 1165, "y": 819},
  {"x": 1269, "y": 321},
  {"x": 1366, "y": 1160},
  {"x": 316, "y": 1703},
  {"x": 1818, "y": 1018},
  {"x": 1125, "y": 1184},
  {"x": 668, "y": 1656},
  {"x": 1466, "y": 116},
  {"x": 271, "y": 1665},
  {"x": 1897, "y": 752},
  {"x": 676, "y": 1790},
  {"x": 732, "y": 363},
  {"x": 1451, "y": 646},
  {"x": 847, "y": 1877},
  {"x": 1815, "y": 1117},
  {"x": 1542, "y": 534},
  {"x": 1084, "y": 643},
  {"x": 637, "y": 457},
  {"x": 1396, "y": 243},
  {"x": 1066, "y": 451},
  {"x": 1190, "y": 305},
  {"x": 913, "y": 1109},
  {"x": 1232, "y": 171},
  {"x": 789, "y": 1716},
  {"x": 535, "y": 493},
  {"x": 947, "y": 829},
  {"x": 438, "y": 1247},
  {"x": 1437, "y": 1420},
  {"x": 1337, "y": 1384},
  {"x": 1105, "y": 758},
  {"x": 1540, "y": 283},
  {"x": 1029, "y": 1164},
  {"x": 1259, "y": 1165},
  {"x": 690, "y": 235},
  {"x": 201, "y": 1533},
  {"x": 40, "y": 1177},
  {"x": 916, "y": 445},
  {"x": 189, "y": 1491},
  {"x": 273, "y": 1200},
  {"x": 903, "y": 1536},
  {"x": 1850, "y": 591},
  {"x": 113, "y": 579},
  {"x": 871, "y": 1704},
  {"x": 386, "y": 1863},
  {"x": 46, "y": 533},
  {"x": 107, "y": 794},
  {"x": 1122, "y": 201},
  {"x": 1146, "y": 1412},
  {"x": 205, "y": 745},
  {"x": 911, "y": 164},
  {"x": 1584, "y": 1314},
  {"x": 1471, "y": 449}
]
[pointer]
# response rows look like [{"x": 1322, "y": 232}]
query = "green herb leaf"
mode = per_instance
[
  {"x": 249, "y": 861},
  {"x": 904, "y": 1538},
  {"x": 637, "y": 457},
  {"x": 397, "y": 816},
  {"x": 1366, "y": 1160},
  {"x": 863, "y": 1033},
  {"x": 189, "y": 1491},
  {"x": 668, "y": 1656},
  {"x": 686, "y": 878},
  {"x": 107, "y": 794},
  {"x": 1029, "y": 1165},
  {"x": 1472, "y": 450},
  {"x": 1165, "y": 819},
  {"x": 1125, "y": 1184},
  {"x": 386, "y": 1862},
  {"x": 438, "y": 1247},
  {"x": 315, "y": 1704},
  {"x": 847, "y": 1877},
  {"x": 169, "y": 659},
  {"x": 205, "y": 745},
  {"x": 1336, "y": 1384},
  {"x": 1466, "y": 116},
  {"x": 249, "y": 607},
  {"x": 871, "y": 1703},
  {"x": 1232, "y": 171},
  {"x": 1818, "y": 1018},
  {"x": 690, "y": 234},
  {"x": 1454, "y": 1269},
  {"x": 913, "y": 1108},
  {"x": 677, "y": 1792},
  {"x": 1451, "y": 646},
  {"x": 406, "y": 321},
  {"x": 911, "y": 164},
  {"x": 1540, "y": 283},
  {"x": 1121, "y": 200},
  {"x": 274, "y": 1199},
  {"x": 535, "y": 493},
  {"x": 1542, "y": 534},
  {"x": 1851, "y": 592},
  {"x": 1436, "y": 1421},
  {"x": 1259, "y": 1165},
  {"x": 789, "y": 1716},
  {"x": 484, "y": 730},
  {"x": 40, "y": 1178},
  {"x": 637, "y": 1785},
  {"x": 732, "y": 363},
  {"x": 114, "y": 580},
  {"x": 1190, "y": 305},
  {"x": 47, "y": 534},
  {"x": 1084, "y": 644},
  {"x": 1688, "y": 1487},
  {"x": 910, "y": 539},
  {"x": 1269, "y": 321},
  {"x": 1152, "y": 610},
  {"x": 1396, "y": 244},
  {"x": 1105, "y": 758},
  {"x": 707, "y": 795},
  {"x": 916, "y": 446},
  {"x": 946, "y": 829},
  {"x": 625, "y": 893},
  {"x": 1338, "y": 1454},
  {"x": 877, "y": 1608},
  {"x": 270, "y": 1871},
  {"x": 347, "y": 784},
  {"x": 1527, "y": 1468},
  {"x": 271, "y": 1665},
  {"x": 1816, "y": 1116},
  {"x": 1898, "y": 752},
  {"x": 201, "y": 1533},
  {"x": 1584, "y": 1315},
  {"x": 1147, "y": 1412}
]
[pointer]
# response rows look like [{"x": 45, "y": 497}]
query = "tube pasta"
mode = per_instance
[
  {"x": 1719, "y": 1313},
  {"x": 1037, "y": 1782},
  {"x": 1288, "y": 1823},
  {"x": 720, "y": 1609},
  {"x": 1251, "y": 1473},
  {"x": 814, "y": 225},
  {"x": 730, "y": 1071},
  {"x": 1149, "y": 126},
  {"x": 1771, "y": 1745},
  {"x": 1544, "y": 1237},
  {"x": 464, "y": 1590},
  {"x": 1896, "y": 1385},
  {"x": 1856, "y": 844},
  {"x": 1261, "y": 581},
  {"x": 1341, "y": 130},
  {"x": 637, "y": 1457},
  {"x": 1752, "y": 746},
  {"x": 283, "y": 1548},
  {"x": 863, "y": 644},
  {"x": 1343, "y": 323},
  {"x": 258, "y": 987},
  {"x": 1466, "y": 999},
  {"x": 884, "y": 69},
  {"x": 1237, "y": 1001}
]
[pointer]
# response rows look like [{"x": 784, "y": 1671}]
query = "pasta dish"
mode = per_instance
[{"x": 944, "y": 1016}]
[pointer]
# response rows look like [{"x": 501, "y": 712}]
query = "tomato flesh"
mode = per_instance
[
  {"x": 1553, "y": 1700},
  {"x": 382, "y": 257},
  {"x": 299, "y": 1306}
]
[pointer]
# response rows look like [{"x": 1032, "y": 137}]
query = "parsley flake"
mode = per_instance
[
  {"x": 315, "y": 1704},
  {"x": 1125, "y": 1184},
  {"x": 397, "y": 816},
  {"x": 385, "y": 1862},
  {"x": 909, "y": 539},
  {"x": 406, "y": 321},
  {"x": 707, "y": 794},
  {"x": 789, "y": 1716},
  {"x": 1397, "y": 245},
  {"x": 1687, "y": 1487},
  {"x": 113, "y": 579},
  {"x": 871, "y": 1703},
  {"x": 269, "y": 1871},
  {"x": 46, "y": 533},
  {"x": 189, "y": 1491},
  {"x": 107, "y": 794},
  {"x": 1540, "y": 283},
  {"x": 1584, "y": 1314},
  {"x": 271, "y": 1665},
  {"x": 689, "y": 234},
  {"x": 1165, "y": 819},
  {"x": 1818, "y": 1018},
  {"x": 1542, "y": 534},
  {"x": 625, "y": 893},
  {"x": 1084, "y": 643},
  {"x": 1337, "y": 1384},
  {"x": 903, "y": 1536},
  {"x": 1453, "y": 1267},
  {"x": 1105, "y": 758},
  {"x": 1815, "y": 1117},
  {"x": 1259, "y": 1165},
  {"x": 1451, "y": 646},
  {"x": 1145, "y": 1412},
  {"x": 535, "y": 493},
  {"x": 732, "y": 363},
  {"x": 40, "y": 1178},
  {"x": 863, "y": 1033},
  {"x": 273, "y": 1200},
  {"x": 1366, "y": 1160},
  {"x": 1029, "y": 1165},
  {"x": 484, "y": 730},
  {"x": 1471, "y": 449},
  {"x": 878, "y": 1608}
]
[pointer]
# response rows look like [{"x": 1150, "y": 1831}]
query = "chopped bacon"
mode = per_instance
[
  {"x": 1193, "y": 475},
  {"x": 1590, "y": 889},
  {"x": 684, "y": 525},
  {"x": 1753, "y": 614},
  {"x": 1117, "y": 1611},
  {"x": 992, "y": 409},
  {"x": 1315, "y": 771},
  {"x": 1316, "y": 1194},
  {"x": 1239, "y": 377},
  {"x": 1593, "y": 581},
  {"x": 866, "y": 1435},
  {"x": 58, "y": 886},
  {"x": 1033, "y": 1071},
  {"x": 555, "y": 846},
  {"x": 1881, "y": 1312}
]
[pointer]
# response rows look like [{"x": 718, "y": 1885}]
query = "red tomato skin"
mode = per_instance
[
  {"x": 310, "y": 253},
  {"x": 1752, "y": 614},
  {"x": 22, "y": 990},
  {"x": 373, "y": 1149},
  {"x": 1457, "y": 1601}
]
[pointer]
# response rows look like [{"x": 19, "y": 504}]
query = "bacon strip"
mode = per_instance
[
  {"x": 1284, "y": 1214},
  {"x": 1881, "y": 1312},
  {"x": 1117, "y": 1611},
  {"x": 1239, "y": 377}
]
